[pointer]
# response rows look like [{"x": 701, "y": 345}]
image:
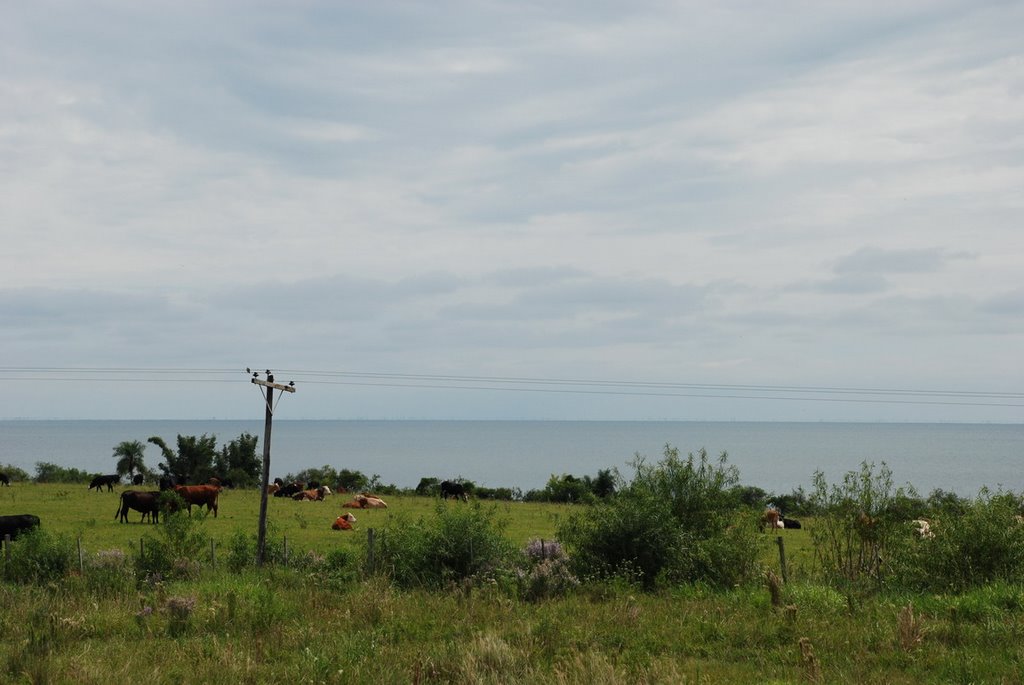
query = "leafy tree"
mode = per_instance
[
  {"x": 47, "y": 472},
  {"x": 193, "y": 460},
  {"x": 238, "y": 461},
  {"x": 129, "y": 454},
  {"x": 13, "y": 472}
]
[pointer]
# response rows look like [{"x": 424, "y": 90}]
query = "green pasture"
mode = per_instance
[
  {"x": 90, "y": 516},
  {"x": 76, "y": 511}
]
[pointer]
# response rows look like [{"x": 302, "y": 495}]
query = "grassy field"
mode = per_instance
[
  {"x": 76, "y": 511},
  {"x": 292, "y": 624}
]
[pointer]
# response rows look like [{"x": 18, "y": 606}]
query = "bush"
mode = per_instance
[
  {"x": 457, "y": 543},
  {"x": 676, "y": 521},
  {"x": 39, "y": 557},
  {"x": 175, "y": 553},
  {"x": 984, "y": 545},
  {"x": 855, "y": 523},
  {"x": 545, "y": 573}
]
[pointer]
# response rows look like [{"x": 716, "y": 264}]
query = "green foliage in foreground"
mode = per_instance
[{"x": 294, "y": 625}]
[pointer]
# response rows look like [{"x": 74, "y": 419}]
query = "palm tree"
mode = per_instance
[{"x": 129, "y": 457}]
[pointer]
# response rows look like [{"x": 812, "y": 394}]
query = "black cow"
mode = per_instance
[
  {"x": 17, "y": 523},
  {"x": 138, "y": 479},
  {"x": 99, "y": 481},
  {"x": 453, "y": 490},
  {"x": 790, "y": 523},
  {"x": 289, "y": 490},
  {"x": 147, "y": 502},
  {"x": 169, "y": 481},
  {"x": 5, "y": 479}
]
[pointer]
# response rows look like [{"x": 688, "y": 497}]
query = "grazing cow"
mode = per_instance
[
  {"x": 5, "y": 479},
  {"x": 199, "y": 495},
  {"x": 146, "y": 502},
  {"x": 17, "y": 523},
  {"x": 790, "y": 523},
  {"x": 138, "y": 479},
  {"x": 168, "y": 482},
  {"x": 316, "y": 495},
  {"x": 99, "y": 481},
  {"x": 771, "y": 518},
  {"x": 453, "y": 490}
]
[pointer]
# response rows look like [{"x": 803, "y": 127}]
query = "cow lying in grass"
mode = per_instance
[
  {"x": 366, "y": 502},
  {"x": 344, "y": 522}
]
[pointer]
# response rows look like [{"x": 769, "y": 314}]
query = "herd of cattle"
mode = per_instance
[{"x": 150, "y": 503}]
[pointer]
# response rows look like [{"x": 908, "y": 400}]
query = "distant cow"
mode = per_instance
[
  {"x": 99, "y": 481},
  {"x": 138, "y": 479},
  {"x": 167, "y": 483},
  {"x": 790, "y": 523},
  {"x": 453, "y": 490},
  {"x": 923, "y": 528},
  {"x": 371, "y": 502},
  {"x": 200, "y": 495},
  {"x": 771, "y": 518},
  {"x": 14, "y": 524},
  {"x": 5, "y": 479},
  {"x": 146, "y": 502}
]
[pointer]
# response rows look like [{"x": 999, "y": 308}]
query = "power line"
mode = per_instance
[{"x": 527, "y": 384}]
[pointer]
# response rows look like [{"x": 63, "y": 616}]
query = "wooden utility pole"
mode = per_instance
[{"x": 271, "y": 386}]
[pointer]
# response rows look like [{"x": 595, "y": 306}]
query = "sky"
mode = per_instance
[{"x": 707, "y": 211}]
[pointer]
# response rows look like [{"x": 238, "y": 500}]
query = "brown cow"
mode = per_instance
[
  {"x": 344, "y": 522},
  {"x": 315, "y": 495},
  {"x": 199, "y": 495},
  {"x": 771, "y": 518}
]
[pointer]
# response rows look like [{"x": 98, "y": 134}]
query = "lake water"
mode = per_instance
[{"x": 775, "y": 456}]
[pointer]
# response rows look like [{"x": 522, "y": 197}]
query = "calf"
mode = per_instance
[
  {"x": 145, "y": 502},
  {"x": 343, "y": 522},
  {"x": 17, "y": 523},
  {"x": 138, "y": 479}
]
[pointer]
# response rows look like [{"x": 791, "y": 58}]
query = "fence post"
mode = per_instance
[
  {"x": 782, "y": 558},
  {"x": 370, "y": 537}
]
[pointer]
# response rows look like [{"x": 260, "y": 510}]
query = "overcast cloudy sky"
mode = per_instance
[{"x": 808, "y": 195}]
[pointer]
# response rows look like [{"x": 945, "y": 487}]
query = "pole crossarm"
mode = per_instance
[{"x": 275, "y": 386}]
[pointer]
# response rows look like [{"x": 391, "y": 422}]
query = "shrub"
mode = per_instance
[
  {"x": 175, "y": 552},
  {"x": 856, "y": 521},
  {"x": 984, "y": 545},
  {"x": 38, "y": 556},
  {"x": 455, "y": 544},
  {"x": 677, "y": 520},
  {"x": 545, "y": 572}
]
